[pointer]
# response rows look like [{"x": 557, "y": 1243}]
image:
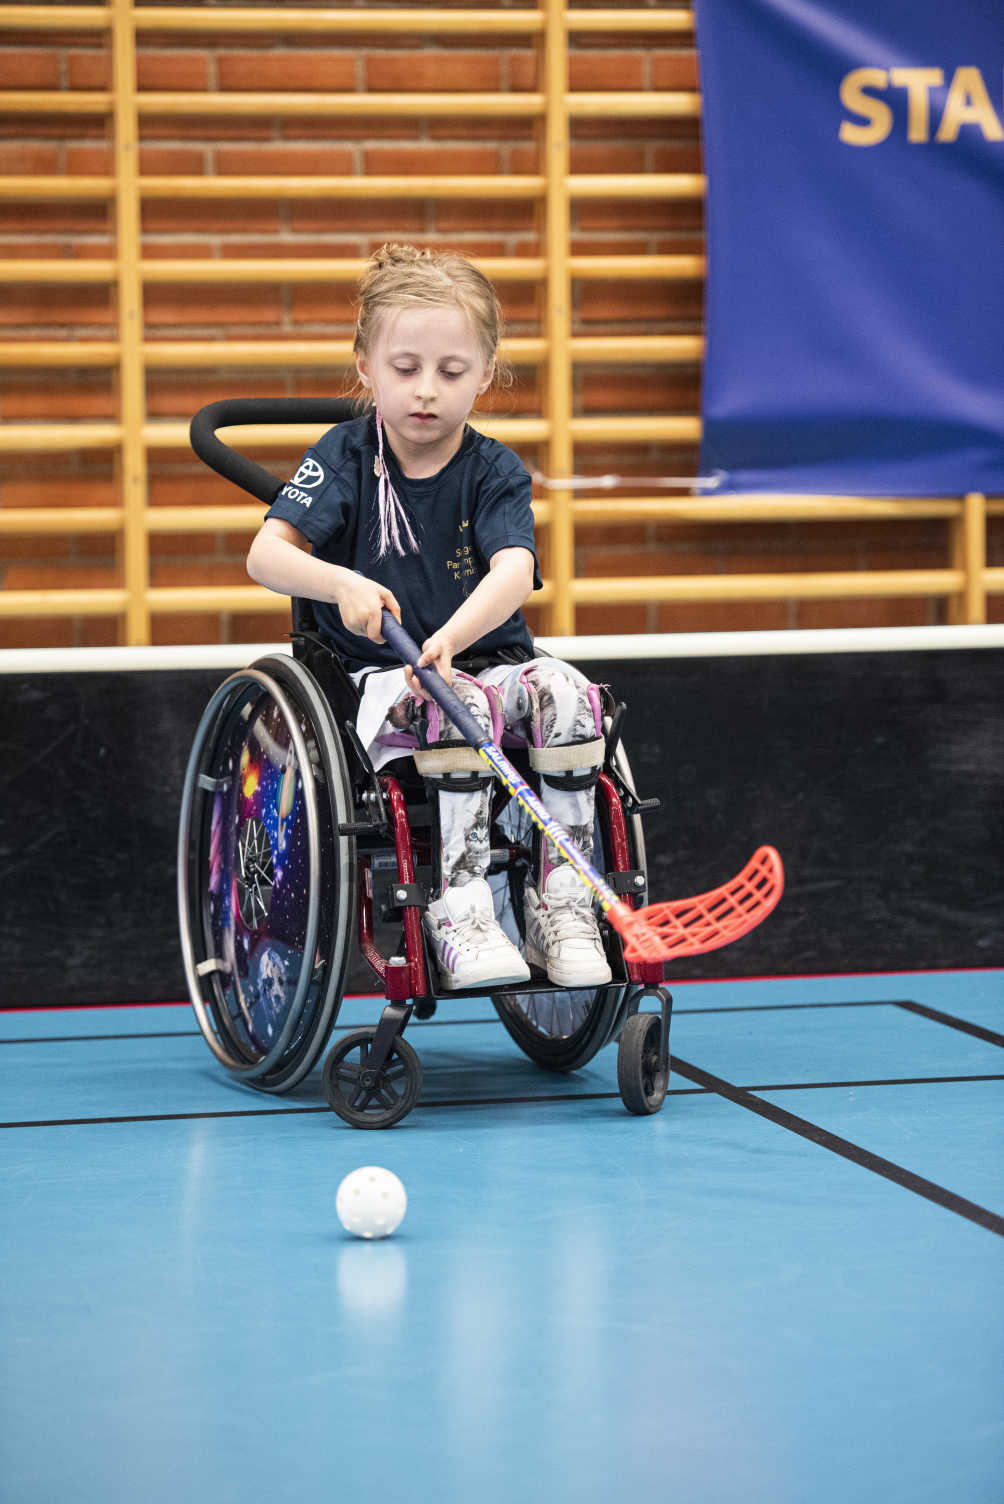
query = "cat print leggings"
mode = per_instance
[{"x": 551, "y": 707}]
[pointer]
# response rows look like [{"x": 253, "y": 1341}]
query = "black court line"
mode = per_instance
[
  {"x": 953, "y": 1022},
  {"x": 976, "y": 1030},
  {"x": 442, "y": 1023},
  {"x": 580, "y": 1096},
  {"x": 422, "y": 1023},
  {"x": 886, "y": 1081},
  {"x": 942, "y": 1197},
  {"x": 703, "y": 1091},
  {"x": 446, "y": 1023},
  {"x": 881, "y": 1002},
  {"x": 86, "y": 1038},
  {"x": 167, "y": 1117},
  {"x": 279, "y": 1112}
]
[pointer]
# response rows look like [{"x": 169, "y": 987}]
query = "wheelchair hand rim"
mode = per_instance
[{"x": 229, "y": 690}]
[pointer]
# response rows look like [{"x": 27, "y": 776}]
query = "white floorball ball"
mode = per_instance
[{"x": 371, "y": 1202}]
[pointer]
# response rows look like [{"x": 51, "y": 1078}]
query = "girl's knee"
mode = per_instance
[
  {"x": 484, "y": 703},
  {"x": 563, "y": 706}
]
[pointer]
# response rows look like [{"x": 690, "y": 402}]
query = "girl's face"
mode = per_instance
[{"x": 425, "y": 371}]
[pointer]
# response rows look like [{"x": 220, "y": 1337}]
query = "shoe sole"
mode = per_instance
[
  {"x": 537, "y": 958},
  {"x": 450, "y": 984}
]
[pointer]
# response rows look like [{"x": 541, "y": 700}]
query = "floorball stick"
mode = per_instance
[{"x": 678, "y": 927}]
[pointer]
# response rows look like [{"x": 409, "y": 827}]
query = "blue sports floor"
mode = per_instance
[{"x": 787, "y": 1286}]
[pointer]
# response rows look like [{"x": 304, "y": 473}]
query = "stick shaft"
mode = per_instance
[
  {"x": 449, "y": 702},
  {"x": 545, "y": 821}
]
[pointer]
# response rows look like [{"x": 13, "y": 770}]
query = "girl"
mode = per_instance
[{"x": 408, "y": 508}]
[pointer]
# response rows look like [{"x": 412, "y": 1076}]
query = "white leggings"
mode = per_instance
[{"x": 543, "y": 704}]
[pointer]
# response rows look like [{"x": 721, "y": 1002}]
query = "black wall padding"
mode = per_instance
[{"x": 879, "y": 777}]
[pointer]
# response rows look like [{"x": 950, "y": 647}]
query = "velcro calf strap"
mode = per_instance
[
  {"x": 431, "y": 761},
  {"x": 564, "y": 759}
]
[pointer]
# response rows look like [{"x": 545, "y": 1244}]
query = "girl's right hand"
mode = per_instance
[{"x": 361, "y": 603}]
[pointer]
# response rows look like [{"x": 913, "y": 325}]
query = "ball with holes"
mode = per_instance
[{"x": 371, "y": 1202}]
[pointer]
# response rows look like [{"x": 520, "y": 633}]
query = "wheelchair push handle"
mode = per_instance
[{"x": 238, "y": 411}]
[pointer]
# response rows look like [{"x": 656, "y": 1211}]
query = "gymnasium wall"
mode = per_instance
[
  {"x": 877, "y": 772},
  {"x": 37, "y": 142}
]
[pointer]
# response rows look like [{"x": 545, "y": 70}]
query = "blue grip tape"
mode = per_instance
[{"x": 408, "y": 650}]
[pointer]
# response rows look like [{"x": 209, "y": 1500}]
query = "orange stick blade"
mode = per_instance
[{"x": 690, "y": 926}]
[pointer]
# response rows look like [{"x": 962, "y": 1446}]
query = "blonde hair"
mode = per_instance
[{"x": 401, "y": 276}]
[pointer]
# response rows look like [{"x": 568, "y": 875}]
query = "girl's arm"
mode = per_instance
[
  {"x": 280, "y": 558},
  {"x": 502, "y": 591}
]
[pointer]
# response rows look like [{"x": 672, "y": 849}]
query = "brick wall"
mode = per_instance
[{"x": 81, "y": 144}]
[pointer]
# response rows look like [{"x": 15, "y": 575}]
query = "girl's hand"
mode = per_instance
[
  {"x": 437, "y": 650},
  {"x": 361, "y": 602}
]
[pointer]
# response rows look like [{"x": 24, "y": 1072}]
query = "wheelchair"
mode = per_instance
[{"x": 290, "y": 845}]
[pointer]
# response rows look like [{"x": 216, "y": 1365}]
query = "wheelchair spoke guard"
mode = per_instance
[
  {"x": 266, "y": 883},
  {"x": 559, "y": 1028}
]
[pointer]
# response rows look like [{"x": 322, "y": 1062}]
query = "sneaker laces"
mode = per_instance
[
  {"x": 570, "y": 917},
  {"x": 472, "y": 926}
]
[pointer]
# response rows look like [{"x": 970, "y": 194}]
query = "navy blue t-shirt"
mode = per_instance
[{"x": 477, "y": 504}]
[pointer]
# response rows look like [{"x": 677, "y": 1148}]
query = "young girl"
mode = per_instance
[{"x": 408, "y": 508}]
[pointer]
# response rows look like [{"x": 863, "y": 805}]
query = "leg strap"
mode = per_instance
[
  {"x": 447, "y": 758},
  {"x": 558, "y": 764},
  {"x": 452, "y": 769}
]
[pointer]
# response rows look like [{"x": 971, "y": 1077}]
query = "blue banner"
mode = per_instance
[{"x": 854, "y": 152}]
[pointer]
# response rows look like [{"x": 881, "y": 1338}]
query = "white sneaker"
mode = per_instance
[
  {"x": 562, "y": 935},
  {"x": 470, "y": 947}
]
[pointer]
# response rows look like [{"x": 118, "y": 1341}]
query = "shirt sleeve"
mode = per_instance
[
  {"x": 503, "y": 517},
  {"x": 318, "y": 499}
]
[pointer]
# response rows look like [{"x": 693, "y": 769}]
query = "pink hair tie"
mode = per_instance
[{"x": 392, "y": 514}]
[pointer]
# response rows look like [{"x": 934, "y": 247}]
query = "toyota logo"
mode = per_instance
[{"x": 309, "y": 474}]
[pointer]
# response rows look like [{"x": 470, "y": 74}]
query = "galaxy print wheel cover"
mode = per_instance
[{"x": 259, "y": 873}]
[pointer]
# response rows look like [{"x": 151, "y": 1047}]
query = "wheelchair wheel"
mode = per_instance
[
  {"x": 365, "y": 1098},
  {"x": 266, "y": 880},
  {"x": 642, "y": 1078}
]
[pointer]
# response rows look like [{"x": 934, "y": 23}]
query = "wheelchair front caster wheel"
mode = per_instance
[
  {"x": 642, "y": 1077},
  {"x": 367, "y": 1098}
]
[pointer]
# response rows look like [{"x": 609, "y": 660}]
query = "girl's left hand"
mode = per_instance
[{"x": 437, "y": 651}]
